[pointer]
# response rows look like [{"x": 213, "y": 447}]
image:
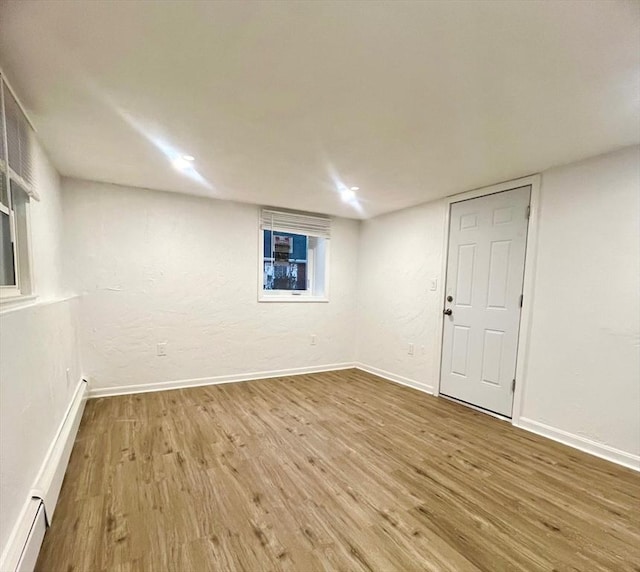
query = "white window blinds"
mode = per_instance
[
  {"x": 296, "y": 223},
  {"x": 3, "y": 155}
]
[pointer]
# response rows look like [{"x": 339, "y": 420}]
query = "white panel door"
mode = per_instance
[{"x": 485, "y": 271}]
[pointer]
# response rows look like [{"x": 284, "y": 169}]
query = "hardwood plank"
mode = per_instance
[{"x": 331, "y": 471}]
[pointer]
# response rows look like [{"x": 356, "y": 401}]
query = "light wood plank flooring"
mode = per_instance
[{"x": 332, "y": 471}]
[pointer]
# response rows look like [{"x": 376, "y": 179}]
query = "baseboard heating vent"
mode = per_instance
[
  {"x": 31, "y": 549},
  {"x": 21, "y": 551},
  {"x": 49, "y": 481},
  {"x": 22, "y": 556}
]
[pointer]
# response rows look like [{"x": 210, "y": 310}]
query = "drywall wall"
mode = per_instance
[
  {"x": 156, "y": 267},
  {"x": 38, "y": 343},
  {"x": 400, "y": 258},
  {"x": 47, "y": 231},
  {"x": 583, "y": 368},
  {"x": 582, "y": 376}
]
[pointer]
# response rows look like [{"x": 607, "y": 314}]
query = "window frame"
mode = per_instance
[
  {"x": 21, "y": 240},
  {"x": 21, "y": 243},
  {"x": 10, "y": 290},
  {"x": 312, "y": 260}
]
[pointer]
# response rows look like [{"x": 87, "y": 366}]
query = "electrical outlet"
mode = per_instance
[
  {"x": 410, "y": 349},
  {"x": 313, "y": 339},
  {"x": 162, "y": 349}
]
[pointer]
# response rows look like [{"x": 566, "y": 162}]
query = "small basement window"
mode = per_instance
[
  {"x": 294, "y": 254},
  {"x": 16, "y": 190}
]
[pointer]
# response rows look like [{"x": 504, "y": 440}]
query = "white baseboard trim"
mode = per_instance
[
  {"x": 26, "y": 536},
  {"x": 216, "y": 380},
  {"x": 395, "y": 378},
  {"x": 582, "y": 443}
]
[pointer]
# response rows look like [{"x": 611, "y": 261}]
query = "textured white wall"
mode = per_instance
[
  {"x": 161, "y": 267},
  {"x": 47, "y": 231},
  {"x": 37, "y": 345},
  {"x": 400, "y": 253},
  {"x": 583, "y": 371}
]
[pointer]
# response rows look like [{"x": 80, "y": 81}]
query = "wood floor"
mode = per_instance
[{"x": 332, "y": 471}]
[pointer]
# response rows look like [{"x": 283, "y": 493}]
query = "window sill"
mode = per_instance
[
  {"x": 292, "y": 298},
  {"x": 17, "y": 301}
]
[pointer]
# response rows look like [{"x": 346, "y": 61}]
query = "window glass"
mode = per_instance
[
  {"x": 293, "y": 257},
  {"x": 285, "y": 261},
  {"x": 7, "y": 266},
  {"x": 4, "y": 198}
]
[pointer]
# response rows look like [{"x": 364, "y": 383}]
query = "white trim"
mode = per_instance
[
  {"x": 574, "y": 441},
  {"x": 443, "y": 292},
  {"x": 395, "y": 378},
  {"x": 222, "y": 379},
  {"x": 49, "y": 480},
  {"x": 581, "y": 443},
  {"x": 528, "y": 288},
  {"x": 215, "y": 380},
  {"x": 291, "y": 298},
  {"x": 16, "y": 303},
  {"x": 29, "y": 252},
  {"x": 47, "y": 484},
  {"x": 493, "y": 189},
  {"x": 534, "y": 181}
]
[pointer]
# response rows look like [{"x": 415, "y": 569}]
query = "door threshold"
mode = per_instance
[{"x": 475, "y": 407}]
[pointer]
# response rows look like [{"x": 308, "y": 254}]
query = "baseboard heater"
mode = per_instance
[
  {"x": 25, "y": 540},
  {"x": 34, "y": 536}
]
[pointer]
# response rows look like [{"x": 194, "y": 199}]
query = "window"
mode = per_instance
[
  {"x": 16, "y": 190},
  {"x": 294, "y": 253}
]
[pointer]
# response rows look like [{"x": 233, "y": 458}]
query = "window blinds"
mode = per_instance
[
  {"x": 19, "y": 152},
  {"x": 3, "y": 155},
  {"x": 296, "y": 223}
]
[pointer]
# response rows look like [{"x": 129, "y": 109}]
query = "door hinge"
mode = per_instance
[
  {"x": 521, "y": 299},
  {"x": 528, "y": 215},
  {"x": 513, "y": 385}
]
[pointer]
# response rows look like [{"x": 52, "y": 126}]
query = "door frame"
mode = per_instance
[{"x": 527, "y": 288}]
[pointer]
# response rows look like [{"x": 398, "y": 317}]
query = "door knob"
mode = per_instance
[{"x": 448, "y": 312}]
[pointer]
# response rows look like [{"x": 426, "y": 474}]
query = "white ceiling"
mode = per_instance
[{"x": 281, "y": 101}]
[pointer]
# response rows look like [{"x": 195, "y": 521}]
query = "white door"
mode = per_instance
[{"x": 485, "y": 271}]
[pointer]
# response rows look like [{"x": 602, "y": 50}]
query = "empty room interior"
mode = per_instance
[{"x": 319, "y": 286}]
